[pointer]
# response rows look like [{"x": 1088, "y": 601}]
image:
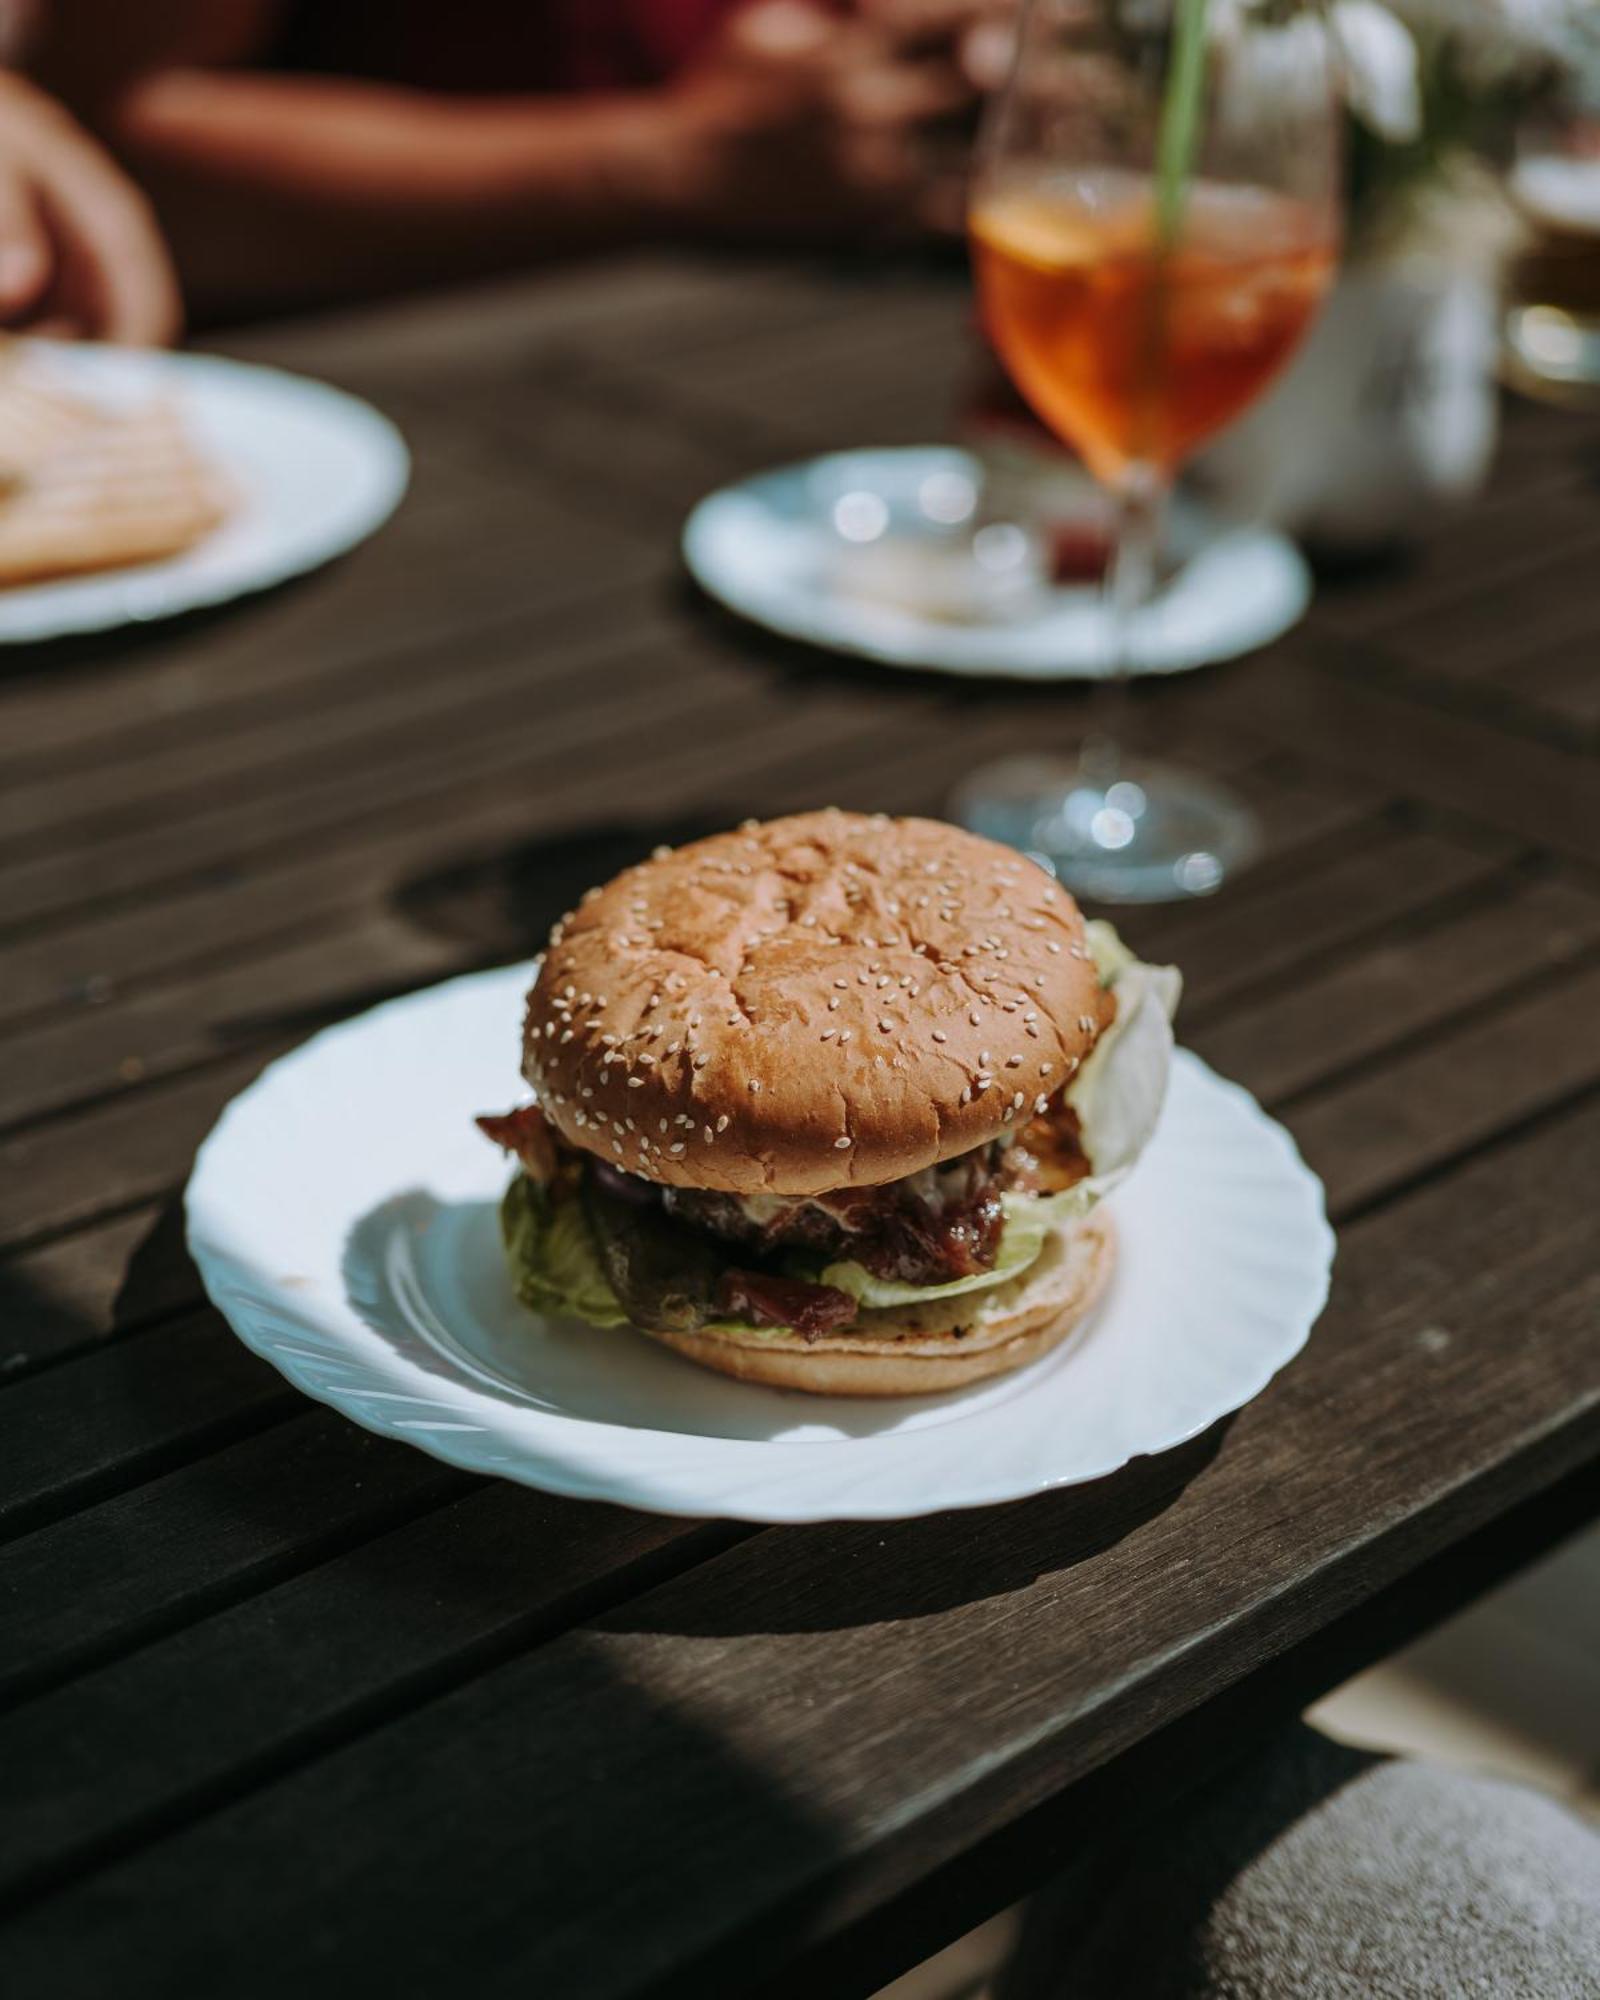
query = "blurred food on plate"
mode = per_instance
[{"x": 86, "y": 487}]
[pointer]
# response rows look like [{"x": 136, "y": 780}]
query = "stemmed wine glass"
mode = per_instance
[{"x": 1154, "y": 222}]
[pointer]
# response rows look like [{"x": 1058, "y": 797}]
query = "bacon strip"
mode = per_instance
[
  {"x": 525, "y": 1133},
  {"x": 812, "y": 1310}
]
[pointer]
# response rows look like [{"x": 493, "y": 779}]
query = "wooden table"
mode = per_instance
[{"x": 296, "y": 1711}]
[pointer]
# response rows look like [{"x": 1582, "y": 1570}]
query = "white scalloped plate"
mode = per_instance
[
  {"x": 342, "y": 1214},
  {"x": 764, "y": 548},
  {"x": 313, "y": 471}
]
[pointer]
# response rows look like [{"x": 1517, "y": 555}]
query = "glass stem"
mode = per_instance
[{"x": 1129, "y": 585}]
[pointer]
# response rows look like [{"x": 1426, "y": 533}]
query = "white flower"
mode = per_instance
[{"x": 1379, "y": 59}]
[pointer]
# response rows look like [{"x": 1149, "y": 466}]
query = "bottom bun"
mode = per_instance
[{"x": 897, "y": 1353}]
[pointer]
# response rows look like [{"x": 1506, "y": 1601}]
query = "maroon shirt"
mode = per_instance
[{"x": 498, "y": 46}]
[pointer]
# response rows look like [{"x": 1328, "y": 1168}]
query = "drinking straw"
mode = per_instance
[{"x": 1180, "y": 116}]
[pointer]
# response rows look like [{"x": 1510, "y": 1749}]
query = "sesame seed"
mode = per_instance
[
  {"x": 1044, "y": 1069},
  {"x": 841, "y": 1145},
  {"x": 1007, "y": 1115},
  {"x": 1029, "y": 1028},
  {"x": 673, "y": 1048},
  {"x": 722, "y": 1122},
  {"x": 630, "y": 1125},
  {"x": 706, "y": 1134},
  {"x": 616, "y": 1145},
  {"x": 841, "y": 982},
  {"x": 1013, "y": 1062},
  {"x": 829, "y": 1033},
  {"x": 701, "y": 1060},
  {"x": 754, "y": 1086},
  {"x": 1086, "y": 1023},
  {"x": 566, "y": 1035},
  {"x": 939, "y": 1035},
  {"x": 983, "y": 1058},
  {"x": 975, "y": 1018},
  {"x": 676, "y": 1146},
  {"x": 844, "y": 1036},
  {"x": 663, "y": 1124},
  {"x": 1052, "y": 946},
  {"x": 647, "y": 1061},
  {"x": 1017, "y": 1101},
  {"x": 833, "y": 1002},
  {"x": 1041, "y": 1103},
  {"x": 884, "y": 981},
  {"x": 610, "y": 1041},
  {"x": 636, "y": 1083},
  {"x": 886, "y": 1027}
]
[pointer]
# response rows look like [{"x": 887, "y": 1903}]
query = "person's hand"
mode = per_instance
[
  {"x": 800, "y": 123},
  {"x": 80, "y": 252}
]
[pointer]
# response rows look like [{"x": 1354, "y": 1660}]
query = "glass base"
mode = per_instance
[{"x": 1153, "y": 834}]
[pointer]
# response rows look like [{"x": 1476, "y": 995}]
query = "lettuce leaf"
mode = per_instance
[
  {"x": 1119, "y": 1092},
  {"x": 555, "y": 1264}
]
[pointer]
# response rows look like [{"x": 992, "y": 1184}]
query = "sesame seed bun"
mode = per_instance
[
  {"x": 820, "y": 1002},
  {"x": 945, "y": 1344}
]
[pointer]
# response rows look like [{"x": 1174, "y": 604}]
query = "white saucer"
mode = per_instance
[
  {"x": 342, "y": 1214},
  {"x": 768, "y": 549},
  {"x": 314, "y": 470}
]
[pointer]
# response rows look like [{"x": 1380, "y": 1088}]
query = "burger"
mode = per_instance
[{"x": 832, "y": 1103}]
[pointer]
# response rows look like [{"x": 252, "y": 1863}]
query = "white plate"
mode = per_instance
[
  {"x": 766, "y": 550},
  {"x": 343, "y": 1218},
  {"x": 314, "y": 471}
]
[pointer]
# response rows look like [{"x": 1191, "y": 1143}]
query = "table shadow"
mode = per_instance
[
  {"x": 941, "y": 1561},
  {"x": 503, "y": 903}
]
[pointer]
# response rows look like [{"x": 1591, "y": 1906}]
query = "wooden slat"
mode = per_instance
[
  {"x": 116, "y": 1754},
  {"x": 1260, "y": 932},
  {"x": 745, "y": 1706},
  {"x": 1290, "y": 1041},
  {"x": 120, "y": 1573},
  {"x": 459, "y": 557},
  {"x": 140, "y": 1407},
  {"x": 633, "y": 306},
  {"x": 1408, "y": 1116},
  {"x": 1521, "y": 538},
  {"x": 94, "y": 1051},
  {"x": 1534, "y": 791},
  {"x": 897, "y": 377},
  {"x": 73, "y": 1292}
]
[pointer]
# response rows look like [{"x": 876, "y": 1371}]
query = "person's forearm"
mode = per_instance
[{"x": 279, "y": 190}]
